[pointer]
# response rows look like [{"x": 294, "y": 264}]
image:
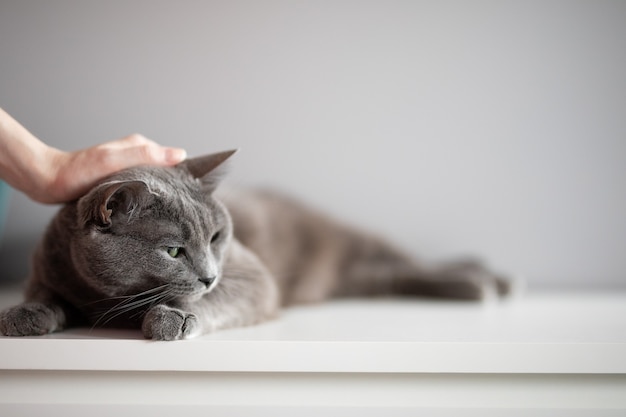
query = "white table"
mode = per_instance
[{"x": 544, "y": 354}]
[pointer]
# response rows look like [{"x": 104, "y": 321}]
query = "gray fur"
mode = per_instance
[{"x": 104, "y": 259}]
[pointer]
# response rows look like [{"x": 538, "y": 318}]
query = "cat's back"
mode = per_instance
[
  {"x": 292, "y": 239},
  {"x": 263, "y": 217}
]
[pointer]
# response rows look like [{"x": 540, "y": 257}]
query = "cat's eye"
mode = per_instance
[
  {"x": 174, "y": 252},
  {"x": 215, "y": 237}
]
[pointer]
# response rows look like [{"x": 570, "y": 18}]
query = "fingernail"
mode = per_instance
[{"x": 175, "y": 155}]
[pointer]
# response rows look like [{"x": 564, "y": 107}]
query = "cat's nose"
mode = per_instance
[{"x": 207, "y": 281}]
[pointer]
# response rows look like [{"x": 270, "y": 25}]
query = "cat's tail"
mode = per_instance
[{"x": 372, "y": 267}]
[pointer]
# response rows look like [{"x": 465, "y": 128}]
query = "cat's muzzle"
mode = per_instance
[{"x": 207, "y": 281}]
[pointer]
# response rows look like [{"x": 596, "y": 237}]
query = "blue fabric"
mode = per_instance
[{"x": 4, "y": 204}]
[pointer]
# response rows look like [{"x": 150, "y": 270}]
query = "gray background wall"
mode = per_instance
[{"x": 495, "y": 128}]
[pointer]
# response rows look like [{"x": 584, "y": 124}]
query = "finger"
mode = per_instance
[
  {"x": 148, "y": 154},
  {"x": 175, "y": 156},
  {"x": 137, "y": 139},
  {"x": 129, "y": 141}
]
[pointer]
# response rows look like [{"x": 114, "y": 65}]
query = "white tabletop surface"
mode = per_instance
[{"x": 555, "y": 332}]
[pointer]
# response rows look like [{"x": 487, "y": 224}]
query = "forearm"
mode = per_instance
[{"x": 26, "y": 163}]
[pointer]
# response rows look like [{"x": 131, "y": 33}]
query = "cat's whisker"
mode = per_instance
[
  {"x": 121, "y": 307},
  {"x": 163, "y": 298},
  {"x": 126, "y": 297},
  {"x": 130, "y": 303},
  {"x": 111, "y": 314}
]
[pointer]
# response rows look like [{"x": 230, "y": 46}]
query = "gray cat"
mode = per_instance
[{"x": 158, "y": 249}]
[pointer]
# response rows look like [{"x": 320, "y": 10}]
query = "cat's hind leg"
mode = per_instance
[
  {"x": 375, "y": 268},
  {"x": 464, "y": 280}
]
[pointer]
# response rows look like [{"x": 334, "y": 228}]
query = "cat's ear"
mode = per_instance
[
  {"x": 114, "y": 200},
  {"x": 209, "y": 169}
]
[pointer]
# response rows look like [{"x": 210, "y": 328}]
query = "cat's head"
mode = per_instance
[{"x": 154, "y": 230}]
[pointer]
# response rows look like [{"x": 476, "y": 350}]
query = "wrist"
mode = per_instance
[
  {"x": 41, "y": 173},
  {"x": 46, "y": 177}
]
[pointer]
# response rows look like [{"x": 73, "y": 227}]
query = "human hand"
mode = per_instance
[
  {"x": 48, "y": 175},
  {"x": 71, "y": 174}
]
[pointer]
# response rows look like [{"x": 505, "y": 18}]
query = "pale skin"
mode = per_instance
[{"x": 49, "y": 175}]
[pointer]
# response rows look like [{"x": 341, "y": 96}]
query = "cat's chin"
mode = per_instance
[
  {"x": 191, "y": 298},
  {"x": 194, "y": 296}
]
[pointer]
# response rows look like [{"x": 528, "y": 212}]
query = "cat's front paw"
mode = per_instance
[
  {"x": 28, "y": 319},
  {"x": 166, "y": 323}
]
